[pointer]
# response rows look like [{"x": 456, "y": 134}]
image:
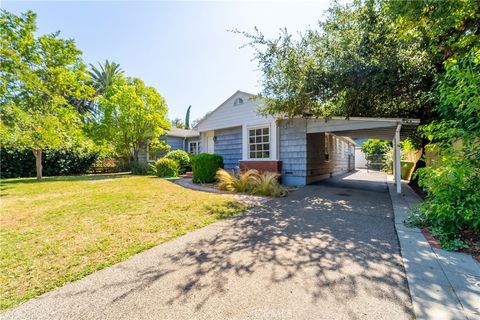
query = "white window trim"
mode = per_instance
[
  {"x": 196, "y": 148},
  {"x": 269, "y": 141},
  {"x": 273, "y": 130}
]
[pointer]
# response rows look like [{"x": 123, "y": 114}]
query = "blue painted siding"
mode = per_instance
[
  {"x": 228, "y": 144},
  {"x": 175, "y": 143}
]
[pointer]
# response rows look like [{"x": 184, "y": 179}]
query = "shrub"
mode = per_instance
[
  {"x": 379, "y": 152},
  {"x": 165, "y": 167},
  {"x": 205, "y": 166},
  {"x": 236, "y": 182},
  {"x": 266, "y": 184},
  {"x": 251, "y": 181},
  {"x": 139, "y": 168},
  {"x": 21, "y": 163},
  {"x": 452, "y": 203},
  {"x": 182, "y": 158}
]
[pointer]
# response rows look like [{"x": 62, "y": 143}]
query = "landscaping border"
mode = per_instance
[
  {"x": 244, "y": 198},
  {"x": 442, "y": 284}
]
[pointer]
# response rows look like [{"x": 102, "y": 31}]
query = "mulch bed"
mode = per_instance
[{"x": 473, "y": 241}]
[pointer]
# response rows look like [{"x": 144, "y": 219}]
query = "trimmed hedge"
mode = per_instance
[
  {"x": 182, "y": 158},
  {"x": 15, "y": 163},
  {"x": 205, "y": 166},
  {"x": 165, "y": 167}
]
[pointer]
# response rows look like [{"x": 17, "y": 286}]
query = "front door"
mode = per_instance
[{"x": 210, "y": 142}]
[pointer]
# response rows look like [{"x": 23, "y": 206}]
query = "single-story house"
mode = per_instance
[
  {"x": 303, "y": 150},
  {"x": 183, "y": 139}
]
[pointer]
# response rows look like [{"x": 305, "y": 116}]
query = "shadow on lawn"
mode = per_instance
[
  {"x": 336, "y": 246},
  {"x": 87, "y": 177},
  {"x": 6, "y": 184}
]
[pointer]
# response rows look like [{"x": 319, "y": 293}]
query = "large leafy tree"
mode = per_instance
[
  {"x": 178, "y": 123},
  {"x": 131, "y": 114},
  {"x": 352, "y": 64},
  {"x": 40, "y": 78}
]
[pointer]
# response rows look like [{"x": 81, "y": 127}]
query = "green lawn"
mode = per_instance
[{"x": 63, "y": 228}]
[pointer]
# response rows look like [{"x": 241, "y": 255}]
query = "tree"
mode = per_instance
[
  {"x": 131, "y": 115},
  {"x": 452, "y": 204},
  {"x": 178, "y": 123},
  {"x": 352, "y": 64},
  {"x": 104, "y": 76},
  {"x": 187, "y": 118},
  {"x": 40, "y": 77}
]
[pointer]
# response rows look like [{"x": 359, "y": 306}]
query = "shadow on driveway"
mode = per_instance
[{"x": 327, "y": 251}]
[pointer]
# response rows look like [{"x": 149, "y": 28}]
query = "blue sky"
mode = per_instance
[{"x": 183, "y": 49}]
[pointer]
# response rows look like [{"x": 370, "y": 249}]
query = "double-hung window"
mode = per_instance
[
  {"x": 193, "y": 147},
  {"x": 259, "y": 143}
]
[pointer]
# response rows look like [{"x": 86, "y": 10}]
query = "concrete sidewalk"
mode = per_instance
[
  {"x": 443, "y": 284},
  {"x": 327, "y": 251}
]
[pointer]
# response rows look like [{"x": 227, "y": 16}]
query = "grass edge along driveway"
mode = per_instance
[{"x": 64, "y": 228}]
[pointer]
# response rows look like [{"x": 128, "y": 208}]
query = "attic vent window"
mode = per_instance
[{"x": 238, "y": 101}]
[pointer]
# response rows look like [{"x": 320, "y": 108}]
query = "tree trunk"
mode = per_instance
[
  {"x": 135, "y": 154},
  {"x": 38, "y": 163}
]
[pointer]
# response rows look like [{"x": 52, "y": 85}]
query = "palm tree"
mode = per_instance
[{"x": 103, "y": 77}]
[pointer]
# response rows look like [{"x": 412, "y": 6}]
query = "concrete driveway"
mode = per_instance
[{"x": 328, "y": 251}]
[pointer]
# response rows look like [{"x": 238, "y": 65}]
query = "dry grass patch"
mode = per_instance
[{"x": 64, "y": 228}]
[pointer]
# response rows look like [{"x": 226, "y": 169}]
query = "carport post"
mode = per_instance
[{"x": 398, "y": 169}]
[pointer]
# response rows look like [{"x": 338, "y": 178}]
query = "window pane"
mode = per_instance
[
  {"x": 266, "y": 154},
  {"x": 266, "y": 138},
  {"x": 258, "y": 132},
  {"x": 266, "y": 147},
  {"x": 251, "y": 133},
  {"x": 253, "y": 147},
  {"x": 259, "y": 147},
  {"x": 252, "y": 140},
  {"x": 265, "y": 131},
  {"x": 258, "y": 139},
  {"x": 252, "y": 155}
]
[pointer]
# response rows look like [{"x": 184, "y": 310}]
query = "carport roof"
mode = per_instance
[{"x": 361, "y": 127}]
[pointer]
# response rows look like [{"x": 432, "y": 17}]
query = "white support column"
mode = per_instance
[
  {"x": 244, "y": 142},
  {"x": 397, "y": 165}
]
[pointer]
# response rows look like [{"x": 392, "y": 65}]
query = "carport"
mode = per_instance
[{"x": 394, "y": 129}]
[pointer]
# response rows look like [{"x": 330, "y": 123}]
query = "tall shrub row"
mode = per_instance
[{"x": 15, "y": 163}]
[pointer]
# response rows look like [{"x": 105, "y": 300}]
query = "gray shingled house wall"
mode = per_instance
[
  {"x": 293, "y": 151},
  {"x": 175, "y": 143},
  {"x": 228, "y": 144}
]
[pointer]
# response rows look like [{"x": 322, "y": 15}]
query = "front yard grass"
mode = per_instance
[{"x": 63, "y": 228}]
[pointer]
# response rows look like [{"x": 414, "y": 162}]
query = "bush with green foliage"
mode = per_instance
[
  {"x": 379, "y": 152},
  {"x": 452, "y": 203},
  {"x": 166, "y": 168},
  {"x": 138, "y": 168},
  {"x": 205, "y": 166},
  {"x": 16, "y": 163},
  {"x": 251, "y": 181},
  {"x": 182, "y": 158}
]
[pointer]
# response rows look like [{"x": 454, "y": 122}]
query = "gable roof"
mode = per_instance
[
  {"x": 223, "y": 103},
  {"x": 182, "y": 133}
]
